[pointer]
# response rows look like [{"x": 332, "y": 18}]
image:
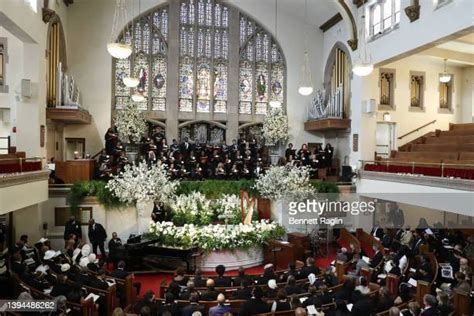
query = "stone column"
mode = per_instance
[
  {"x": 233, "y": 79},
  {"x": 173, "y": 69}
]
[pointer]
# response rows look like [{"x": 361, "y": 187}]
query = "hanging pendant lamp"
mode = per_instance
[
  {"x": 362, "y": 64},
  {"x": 306, "y": 83},
  {"x": 119, "y": 48},
  {"x": 445, "y": 77},
  {"x": 130, "y": 81}
]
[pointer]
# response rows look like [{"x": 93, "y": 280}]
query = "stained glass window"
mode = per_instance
[
  {"x": 203, "y": 45},
  {"x": 148, "y": 62},
  {"x": 262, "y": 69}
]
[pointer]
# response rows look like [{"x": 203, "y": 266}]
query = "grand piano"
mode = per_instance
[{"x": 143, "y": 253}]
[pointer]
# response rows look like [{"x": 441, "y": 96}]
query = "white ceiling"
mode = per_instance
[
  {"x": 464, "y": 44},
  {"x": 319, "y": 11}
]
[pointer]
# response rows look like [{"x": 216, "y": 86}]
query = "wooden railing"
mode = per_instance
[{"x": 417, "y": 129}]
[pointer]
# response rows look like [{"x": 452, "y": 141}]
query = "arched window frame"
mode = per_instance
[
  {"x": 150, "y": 43},
  {"x": 259, "y": 54}
]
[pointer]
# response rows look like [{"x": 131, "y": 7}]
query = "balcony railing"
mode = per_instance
[
  {"x": 447, "y": 170},
  {"x": 19, "y": 165}
]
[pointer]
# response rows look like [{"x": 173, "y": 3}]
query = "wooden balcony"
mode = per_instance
[
  {"x": 69, "y": 116},
  {"x": 327, "y": 125}
]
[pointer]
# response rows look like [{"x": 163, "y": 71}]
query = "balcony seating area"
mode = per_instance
[
  {"x": 442, "y": 154},
  {"x": 16, "y": 163}
]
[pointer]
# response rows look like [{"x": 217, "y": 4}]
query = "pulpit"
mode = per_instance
[
  {"x": 72, "y": 171},
  {"x": 300, "y": 243},
  {"x": 280, "y": 253}
]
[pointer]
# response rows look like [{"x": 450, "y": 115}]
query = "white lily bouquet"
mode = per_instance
[
  {"x": 281, "y": 182},
  {"x": 275, "y": 127},
  {"x": 131, "y": 124}
]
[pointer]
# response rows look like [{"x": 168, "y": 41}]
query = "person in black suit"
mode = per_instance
[
  {"x": 198, "y": 279},
  {"x": 99, "y": 281},
  {"x": 308, "y": 269},
  {"x": 281, "y": 303},
  {"x": 244, "y": 292},
  {"x": 313, "y": 298},
  {"x": 17, "y": 266},
  {"x": 377, "y": 231},
  {"x": 384, "y": 301},
  {"x": 240, "y": 277},
  {"x": 377, "y": 258},
  {"x": 193, "y": 306},
  {"x": 364, "y": 306},
  {"x": 291, "y": 287},
  {"x": 60, "y": 288},
  {"x": 221, "y": 280},
  {"x": 72, "y": 227},
  {"x": 210, "y": 294},
  {"x": 97, "y": 236},
  {"x": 430, "y": 303},
  {"x": 255, "y": 305},
  {"x": 116, "y": 249}
]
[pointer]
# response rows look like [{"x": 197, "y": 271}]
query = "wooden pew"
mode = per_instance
[
  {"x": 367, "y": 239},
  {"x": 392, "y": 283},
  {"x": 346, "y": 239},
  {"x": 85, "y": 309},
  {"x": 400, "y": 307},
  {"x": 462, "y": 303},
  {"x": 422, "y": 288}
]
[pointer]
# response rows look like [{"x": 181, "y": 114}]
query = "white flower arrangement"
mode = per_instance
[
  {"x": 140, "y": 183},
  {"x": 275, "y": 127},
  {"x": 215, "y": 237},
  {"x": 195, "y": 208},
  {"x": 191, "y": 208},
  {"x": 281, "y": 182},
  {"x": 130, "y": 123}
]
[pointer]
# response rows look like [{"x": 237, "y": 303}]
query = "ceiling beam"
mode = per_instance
[
  {"x": 449, "y": 55},
  {"x": 331, "y": 22}
]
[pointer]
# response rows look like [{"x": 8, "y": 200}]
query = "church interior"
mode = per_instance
[{"x": 237, "y": 157}]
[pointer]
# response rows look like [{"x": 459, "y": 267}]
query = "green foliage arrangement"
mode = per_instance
[
  {"x": 93, "y": 188},
  {"x": 212, "y": 189}
]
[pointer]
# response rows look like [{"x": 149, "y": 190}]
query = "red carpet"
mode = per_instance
[{"x": 152, "y": 281}]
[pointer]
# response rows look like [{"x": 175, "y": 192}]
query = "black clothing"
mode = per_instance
[
  {"x": 60, "y": 289},
  {"x": 209, "y": 295},
  {"x": 242, "y": 294},
  {"x": 191, "y": 308},
  {"x": 254, "y": 306},
  {"x": 222, "y": 282},
  {"x": 72, "y": 227}
]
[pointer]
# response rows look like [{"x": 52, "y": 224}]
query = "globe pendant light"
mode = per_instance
[
  {"x": 119, "y": 49},
  {"x": 445, "y": 77},
  {"x": 306, "y": 85},
  {"x": 138, "y": 97},
  {"x": 275, "y": 103},
  {"x": 362, "y": 64},
  {"x": 130, "y": 81}
]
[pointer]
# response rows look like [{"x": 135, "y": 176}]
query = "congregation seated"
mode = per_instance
[{"x": 65, "y": 274}]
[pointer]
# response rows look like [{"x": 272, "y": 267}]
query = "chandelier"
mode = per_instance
[
  {"x": 116, "y": 48},
  {"x": 362, "y": 65},
  {"x": 306, "y": 85},
  {"x": 445, "y": 77}
]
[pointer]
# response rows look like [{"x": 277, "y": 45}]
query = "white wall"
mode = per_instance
[
  {"x": 467, "y": 100},
  {"x": 405, "y": 119},
  {"x": 27, "y": 60},
  {"x": 433, "y": 25}
]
